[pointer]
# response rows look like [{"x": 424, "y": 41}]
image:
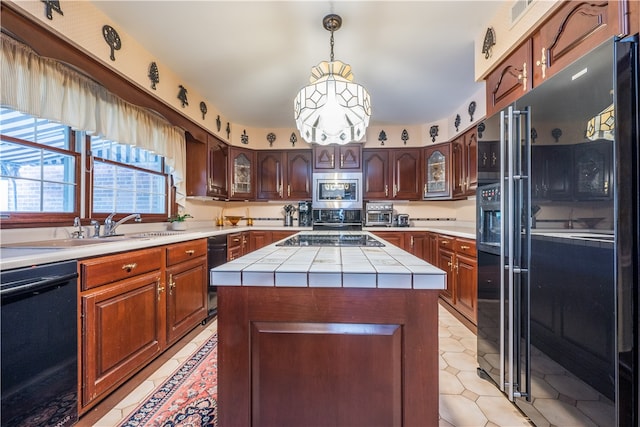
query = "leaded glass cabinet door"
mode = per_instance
[
  {"x": 437, "y": 182},
  {"x": 242, "y": 174}
]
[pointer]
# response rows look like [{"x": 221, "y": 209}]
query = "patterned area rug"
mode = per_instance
[{"x": 187, "y": 398}]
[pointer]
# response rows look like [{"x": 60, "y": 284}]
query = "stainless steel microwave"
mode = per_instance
[{"x": 337, "y": 191}]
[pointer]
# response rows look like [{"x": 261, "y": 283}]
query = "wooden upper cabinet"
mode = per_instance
[
  {"x": 438, "y": 174},
  {"x": 470, "y": 158},
  {"x": 457, "y": 168},
  {"x": 217, "y": 159},
  {"x": 207, "y": 171},
  {"x": 270, "y": 175},
  {"x": 391, "y": 173},
  {"x": 327, "y": 158},
  {"x": 510, "y": 80},
  {"x": 298, "y": 175},
  {"x": 242, "y": 175},
  {"x": 573, "y": 30},
  {"x": 406, "y": 174},
  {"x": 375, "y": 171},
  {"x": 284, "y": 175}
]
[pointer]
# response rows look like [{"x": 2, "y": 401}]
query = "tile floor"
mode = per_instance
[{"x": 465, "y": 399}]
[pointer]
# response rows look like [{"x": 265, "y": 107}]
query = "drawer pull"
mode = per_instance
[
  {"x": 190, "y": 252},
  {"x": 236, "y": 239},
  {"x": 129, "y": 267},
  {"x": 445, "y": 242},
  {"x": 464, "y": 247}
]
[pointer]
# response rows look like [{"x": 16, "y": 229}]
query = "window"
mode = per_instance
[
  {"x": 41, "y": 167},
  {"x": 127, "y": 179},
  {"x": 38, "y": 166}
]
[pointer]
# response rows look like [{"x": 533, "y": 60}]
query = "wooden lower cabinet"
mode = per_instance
[
  {"x": 302, "y": 357},
  {"x": 281, "y": 234},
  {"x": 259, "y": 239},
  {"x": 416, "y": 242},
  {"x": 237, "y": 245},
  {"x": 393, "y": 237},
  {"x": 186, "y": 287},
  {"x": 458, "y": 257},
  {"x": 133, "y": 306}
]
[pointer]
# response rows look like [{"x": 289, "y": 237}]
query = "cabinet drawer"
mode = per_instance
[
  {"x": 446, "y": 242},
  {"x": 109, "y": 269},
  {"x": 234, "y": 239},
  {"x": 181, "y": 252},
  {"x": 465, "y": 246}
]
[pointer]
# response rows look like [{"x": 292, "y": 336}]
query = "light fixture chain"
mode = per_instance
[{"x": 331, "y": 43}]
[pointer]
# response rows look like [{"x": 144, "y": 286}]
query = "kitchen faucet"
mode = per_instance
[{"x": 110, "y": 226}]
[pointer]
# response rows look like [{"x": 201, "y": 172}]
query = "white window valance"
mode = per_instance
[{"x": 46, "y": 88}]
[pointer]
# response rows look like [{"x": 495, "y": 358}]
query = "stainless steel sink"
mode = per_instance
[
  {"x": 72, "y": 243},
  {"x": 57, "y": 243}
]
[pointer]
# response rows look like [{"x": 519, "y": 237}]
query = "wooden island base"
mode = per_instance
[{"x": 327, "y": 356}]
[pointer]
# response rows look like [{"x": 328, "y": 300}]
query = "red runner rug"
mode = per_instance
[{"x": 187, "y": 397}]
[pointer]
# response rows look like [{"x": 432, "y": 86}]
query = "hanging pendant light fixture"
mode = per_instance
[{"x": 332, "y": 109}]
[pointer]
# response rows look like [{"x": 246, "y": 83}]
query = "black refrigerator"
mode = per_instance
[{"x": 557, "y": 240}]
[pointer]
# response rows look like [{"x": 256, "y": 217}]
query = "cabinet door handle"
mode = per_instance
[
  {"x": 333, "y": 163},
  {"x": 457, "y": 265},
  {"x": 425, "y": 189},
  {"x": 190, "y": 252},
  {"x": 450, "y": 265},
  {"x": 386, "y": 190},
  {"x": 160, "y": 289},
  {"x": 341, "y": 160},
  {"x": 172, "y": 284},
  {"x": 493, "y": 159},
  {"x": 288, "y": 190},
  {"x": 129, "y": 267},
  {"x": 395, "y": 190},
  {"x": 542, "y": 63},
  {"x": 523, "y": 76},
  {"x": 411, "y": 241}
]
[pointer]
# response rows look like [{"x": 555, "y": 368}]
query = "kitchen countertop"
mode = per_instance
[
  {"x": 16, "y": 257},
  {"x": 451, "y": 230},
  {"x": 387, "y": 267}
]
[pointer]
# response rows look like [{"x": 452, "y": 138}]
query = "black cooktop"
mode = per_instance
[{"x": 347, "y": 239}]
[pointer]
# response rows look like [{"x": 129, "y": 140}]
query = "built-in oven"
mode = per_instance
[
  {"x": 337, "y": 191},
  {"x": 378, "y": 214},
  {"x": 489, "y": 218},
  {"x": 337, "y": 219}
]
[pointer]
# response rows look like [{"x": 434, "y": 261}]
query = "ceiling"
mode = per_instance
[{"x": 249, "y": 59}]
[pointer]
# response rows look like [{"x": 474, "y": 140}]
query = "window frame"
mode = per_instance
[
  {"x": 88, "y": 199},
  {"x": 45, "y": 219}
]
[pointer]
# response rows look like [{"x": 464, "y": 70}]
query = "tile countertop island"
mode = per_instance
[{"x": 328, "y": 335}]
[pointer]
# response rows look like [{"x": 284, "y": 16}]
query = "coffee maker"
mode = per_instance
[{"x": 304, "y": 214}]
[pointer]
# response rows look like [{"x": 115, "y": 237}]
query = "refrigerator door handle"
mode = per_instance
[
  {"x": 503, "y": 237},
  {"x": 519, "y": 245}
]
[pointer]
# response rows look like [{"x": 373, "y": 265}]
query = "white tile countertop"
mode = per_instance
[{"x": 386, "y": 267}]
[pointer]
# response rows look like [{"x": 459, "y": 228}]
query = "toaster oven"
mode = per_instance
[{"x": 379, "y": 214}]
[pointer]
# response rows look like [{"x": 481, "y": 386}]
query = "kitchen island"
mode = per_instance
[{"x": 322, "y": 330}]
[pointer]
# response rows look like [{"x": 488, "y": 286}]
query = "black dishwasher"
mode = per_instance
[
  {"x": 216, "y": 255},
  {"x": 39, "y": 345}
]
